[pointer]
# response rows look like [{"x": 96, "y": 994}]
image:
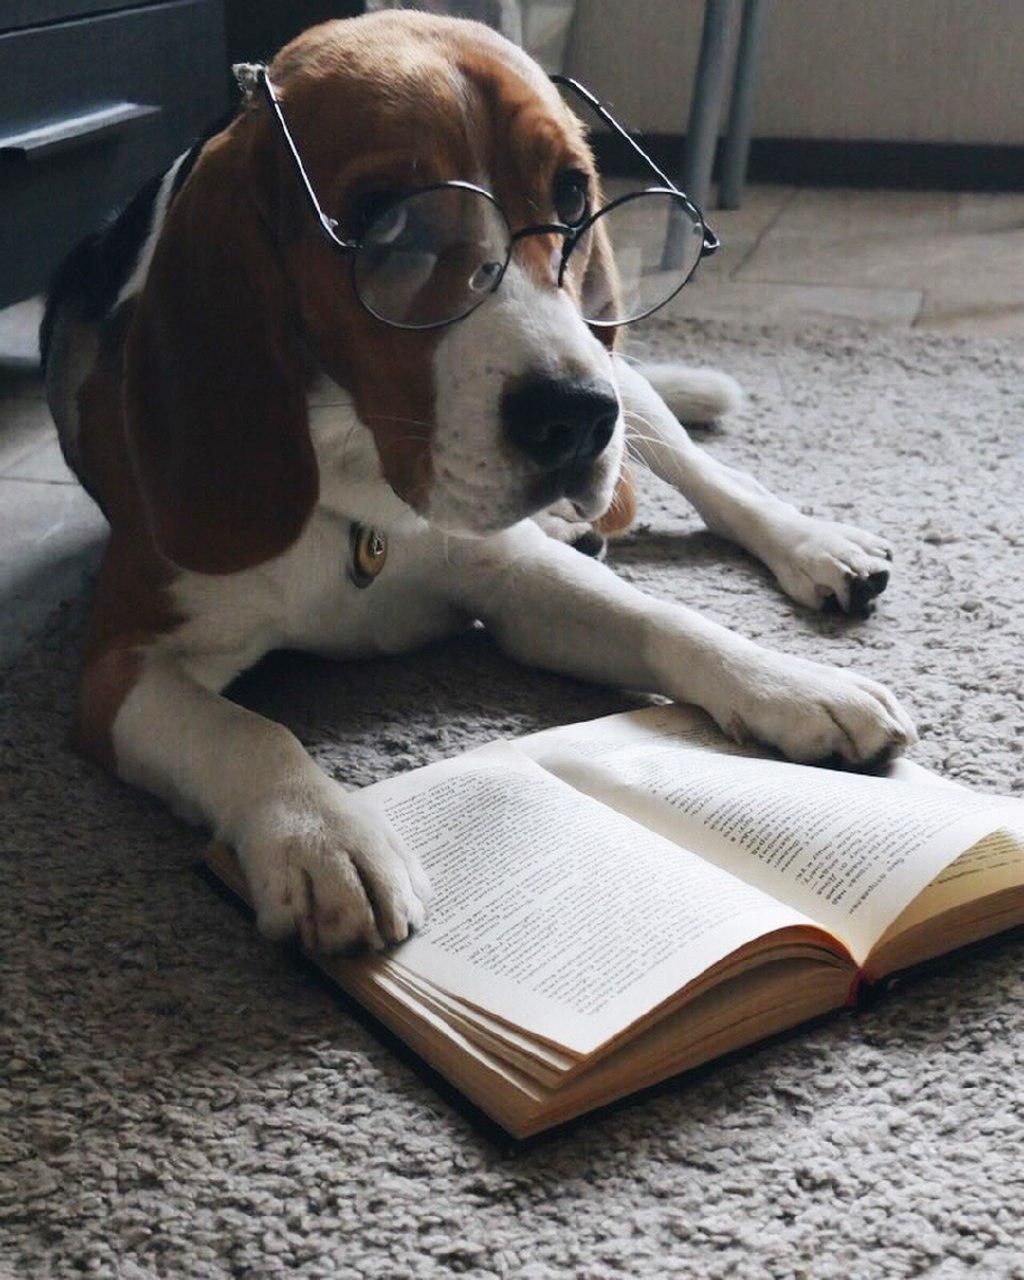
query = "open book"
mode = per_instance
[{"x": 625, "y": 899}]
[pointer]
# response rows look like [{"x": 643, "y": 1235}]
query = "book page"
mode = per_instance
[
  {"x": 553, "y": 912},
  {"x": 992, "y": 865},
  {"x": 848, "y": 850}
]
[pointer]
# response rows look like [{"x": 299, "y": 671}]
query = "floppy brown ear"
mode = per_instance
[
  {"x": 215, "y": 404},
  {"x": 600, "y": 289},
  {"x": 600, "y": 294}
]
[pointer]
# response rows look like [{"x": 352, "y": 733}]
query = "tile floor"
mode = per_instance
[
  {"x": 931, "y": 260},
  {"x": 50, "y": 532},
  {"x": 792, "y": 256}
]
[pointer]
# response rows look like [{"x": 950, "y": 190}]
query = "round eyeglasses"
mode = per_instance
[{"x": 431, "y": 257}]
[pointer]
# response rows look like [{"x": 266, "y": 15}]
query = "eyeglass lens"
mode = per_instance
[
  {"x": 434, "y": 256},
  {"x": 639, "y": 281}
]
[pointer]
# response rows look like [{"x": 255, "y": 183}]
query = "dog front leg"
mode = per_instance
[
  {"x": 314, "y": 856},
  {"x": 551, "y": 607},
  {"x": 815, "y": 561}
]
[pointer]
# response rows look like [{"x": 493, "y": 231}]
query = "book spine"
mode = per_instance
[{"x": 860, "y": 992}]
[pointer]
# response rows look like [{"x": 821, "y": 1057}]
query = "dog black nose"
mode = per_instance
[{"x": 560, "y": 421}]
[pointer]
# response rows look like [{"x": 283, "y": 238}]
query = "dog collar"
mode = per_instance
[{"x": 369, "y": 551}]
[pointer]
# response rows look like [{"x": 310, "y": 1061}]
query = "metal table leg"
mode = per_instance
[
  {"x": 705, "y": 114},
  {"x": 741, "y": 111}
]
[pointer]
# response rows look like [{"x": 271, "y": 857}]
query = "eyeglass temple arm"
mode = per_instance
[
  {"x": 327, "y": 223},
  {"x": 711, "y": 241}
]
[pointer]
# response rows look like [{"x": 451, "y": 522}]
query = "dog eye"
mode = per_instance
[
  {"x": 572, "y": 197},
  {"x": 381, "y": 217}
]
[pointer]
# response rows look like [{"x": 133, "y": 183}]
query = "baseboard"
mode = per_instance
[{"x": 916, "y": 166}]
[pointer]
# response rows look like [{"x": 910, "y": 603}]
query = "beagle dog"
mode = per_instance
[{"x": 281, "y": 468}]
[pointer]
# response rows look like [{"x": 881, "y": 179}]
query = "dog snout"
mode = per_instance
[{"x": 560, "y": 422}]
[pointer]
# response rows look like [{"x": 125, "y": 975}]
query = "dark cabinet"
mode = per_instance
[{"x": 95, "y": 97}]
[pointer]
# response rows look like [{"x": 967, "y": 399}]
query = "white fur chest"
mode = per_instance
[{"x": 307, "y": 597}]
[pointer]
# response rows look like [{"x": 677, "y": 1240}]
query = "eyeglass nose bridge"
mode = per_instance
[{"x": 570, "y": 238}]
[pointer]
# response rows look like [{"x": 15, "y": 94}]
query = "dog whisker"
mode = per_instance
[
  {"x": 631, "y": 417},
  {"x": 390, "y": 417}
]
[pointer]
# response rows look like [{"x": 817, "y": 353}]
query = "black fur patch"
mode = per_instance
[
  {"x": 96, "y": 270},
  {"x": 590, "y": 543}
]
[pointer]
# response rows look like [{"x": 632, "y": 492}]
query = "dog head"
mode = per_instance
[{"x": 476, "y": 424}]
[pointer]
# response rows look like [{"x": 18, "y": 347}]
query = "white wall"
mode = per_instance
[{"x": 907, "y": 70}]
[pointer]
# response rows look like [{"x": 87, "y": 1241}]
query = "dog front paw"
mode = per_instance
[
  {"x": 824, "y": 564},
  {"x": 561, "y": 523},
  {"x": 318, "y": 863},
  {"x": 816, "y": 714}
]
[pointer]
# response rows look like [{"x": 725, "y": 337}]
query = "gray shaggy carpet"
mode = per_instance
[{"x": 181, "y": 1098}]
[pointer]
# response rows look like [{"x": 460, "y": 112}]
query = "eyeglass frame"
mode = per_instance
[{"x": 571, "y": 235}]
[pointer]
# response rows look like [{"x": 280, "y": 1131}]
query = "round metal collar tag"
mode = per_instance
[{"x": 368, "y": 555}]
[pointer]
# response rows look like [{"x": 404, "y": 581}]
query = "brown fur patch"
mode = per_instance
[
  {"x": 214, "y": 377},
  {"x": 622, "y": 509},
  {"x": 132, "y": 608}
]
